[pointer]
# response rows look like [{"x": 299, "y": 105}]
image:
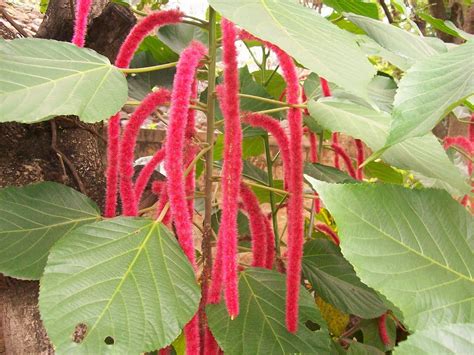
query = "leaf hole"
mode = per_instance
[
  {"x": 79, "y": 333},
  {"x": 109, "y": 340}
]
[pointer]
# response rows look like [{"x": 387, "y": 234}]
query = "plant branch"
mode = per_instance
[
  {"x": 271, "y": 101},
  {"x": 386, "y": 11},
  {"x": 272, "y": 197},
  {"x": 147, "y": 69}
]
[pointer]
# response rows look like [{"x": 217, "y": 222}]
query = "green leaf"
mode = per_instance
[
  {"x": 276, "y": 84},
  {"x": 251, "y": 147},
  {"x": 372, "y": 48},
  {"x": 326, "y": 173},
  {"x": 160, "y": 51},
  {"x": 32, "y": 219},
  {"x": 355, "y": 6},
  {"x": 429, "y": 90},
  {"x": 126, "y": 280},
  {"x": 296, "y": 29},
  {"x": 178, "y": 37},
  {"x": 421, "y": 154},
  {"x": 382, "y": 91},
  {"x": 414, "y": 246},
  {"x": 395, "y": 39},
  {"x": 448, "y": 339},
  {"x": 362, "y": 349},
  {"x": 383, "y": 172},
  {"x": 335, "y": 280},
  {"x": 42, "y": 78},
  {"x": 260, "y": 326},
  {"x": 438, "y": 24}
]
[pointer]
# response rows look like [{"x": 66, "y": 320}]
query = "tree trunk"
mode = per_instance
[{"x": 27, "y": 156}]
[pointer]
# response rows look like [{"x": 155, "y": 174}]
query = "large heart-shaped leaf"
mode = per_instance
[
  {"x": 326, "y": 173},
  {"x": 423, "y": 155},
  {"x": 395, "y": 39},
  {"x": 260, "y": 327},
  {"x": 120, "y": 286},
  {"x": 308, "y": 37},
  {"x": 32, "y": 219},
  {"x": 335, "y": 280},
  {"x": 429, "y": 90},
  {"x": 42, "y": 78},
  {"x": 414, "y": 246}
]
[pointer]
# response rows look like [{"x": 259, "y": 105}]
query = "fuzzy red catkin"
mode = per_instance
[
  {"x": 295, "y": 210},
  {"x": 270, "y": 253},
  {"x": 191, "y": 334},
  {"x": 360, "y": 158},
  {"x": 257, "y": 225},
  {"x": 112, "y": 166},
  {"x": 123, "y": 59},
  {"x": 146, "y": 172},
  {"x": 273, "y": 127},
  {"x": 210, "y": 345},
  {"x": 127, "y": 148},
  {"x": 328, "y": 231},
  {"x": 141, "y": 30},
  {"x": 83, "y": 8},
  {"x": 190, "y": 183},
  {"x": 471, "y": 129},
  {"x": 313, "y": 147},
  {"x": 325, "y": 87},
  {"x": 231, "y": 171},
  {"x": 182, "y": 89},
  {"x": 382, "y": 326},
  {"x": 335, "y": 140},
  {"x": 347, "y": 160}
]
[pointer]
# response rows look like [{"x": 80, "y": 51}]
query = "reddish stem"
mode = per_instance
[
  {"x": 328, "y": 231},
  {"x": 360, "y": 158}
]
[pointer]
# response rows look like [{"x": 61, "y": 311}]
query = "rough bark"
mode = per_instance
[{"x": 26, "y": 156}]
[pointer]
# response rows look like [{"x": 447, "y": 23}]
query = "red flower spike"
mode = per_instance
[
  {"x": 214, "y": 295},
  {"x": 190, "y": 183},
  {"x": 127, "y": 148},
  {"x": 257, "y": 225},
  {"x": 382, "y": 325},
  {"x": 317, "y": 204},
  {"x": 347, "y": 160},
  {"x": 295, "y": 210},
  {"x": 112, "y": 166},
  {"x": 471, "y": 129},
  {"x": 191, "y": 333},
  {"x": 313, "y": 148},
  {"x": 146, "y": 172},
  {"x": 360, "y": 158},
  {"x": 328, "y": 231},
  {"x": 141, "y": 30},
  {"x": 335, "y": 140},
  {"x": 83, "y": 7},
  {"x": 182, "y": 89},
  {"x": 273, "y": 127},
  {"x": 165, "y": 351},
  {"x": 325, "y": 87},
  {"x": 231, "y": 171},
  {"x": 270, "y": 253},
  {"x": 210, "y": 345}
]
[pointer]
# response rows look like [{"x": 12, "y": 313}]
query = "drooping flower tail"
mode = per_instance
[
  {"x": 382, "y": 327},
  {"x": 345, "y": 158},
  {"x": 231, "y": 171},
  {"x": 270, "y": 236},
  {"x": 257, "y": 225},
  {"x": 83, "y": 7},
  {"x": 141, "y": 30},
  {"x": 127, "y": 148},
  {"x": 313, "y": 147},
  {"x": 272, "y": 126}
]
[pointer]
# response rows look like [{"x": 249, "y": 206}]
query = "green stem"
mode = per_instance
[
  {"x": 271, "y": 75},
  {"x": 271, "y": 101},
  {"x": 273, "y": 110},
  {"x": 252, "y": 55},
  {"x": 272, "y": 196},
  {"x": 147, "y": 69},
  {"x": 211, "y": 100},
  {"x": 263, "y": 67}
]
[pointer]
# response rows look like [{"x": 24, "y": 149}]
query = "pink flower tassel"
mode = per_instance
[
  {"x": 210, "y": 345},
  {"x": 112, "y": 166},
  {"x": 257, "y": 225},
  {"x": 182, "y": 88},
  {"x": 127, "y": 148},
  {"x": 141, "y": 30},
  {"x": 335, "y": 141},
  {"x": 313, "y": 148},
  {"x": 382, "y": 326},
  {"x": 360, "y": 158},
  {"x": 191, "y": 333},
  {"x": 270, "y": 253},
  {"x": 225, "y": 267},
  {"x": 83, "y": 7},
  {"x": 347, "y": 160},
  {"x": 273, "y": 127}
]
